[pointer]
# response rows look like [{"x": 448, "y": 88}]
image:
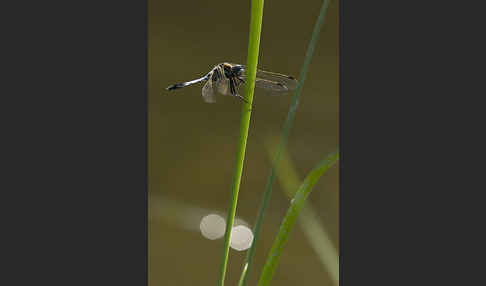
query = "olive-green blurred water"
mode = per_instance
[{"x": 192, "y": 144}]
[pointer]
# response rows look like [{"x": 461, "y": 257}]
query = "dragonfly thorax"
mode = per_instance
[{"x": 231, "y": 70}]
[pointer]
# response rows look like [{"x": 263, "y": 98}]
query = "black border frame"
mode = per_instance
[{"x": 74, "y": 194}]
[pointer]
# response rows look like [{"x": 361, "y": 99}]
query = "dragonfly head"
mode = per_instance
[
  {"x": 232, "y": 70},
  {"x": 237, "y": 70}
]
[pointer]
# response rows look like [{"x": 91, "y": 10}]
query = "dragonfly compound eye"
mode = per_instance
[{"x": 237, "y": 70}]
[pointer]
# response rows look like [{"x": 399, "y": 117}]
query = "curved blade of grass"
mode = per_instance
[
  {"x": 252, "y": 63},
  {"x": 285, "y": 132},
  {"x": 289, "y": 220},
  {"x": 240, "y": 283},
  {"x": 313, "y": 229}
]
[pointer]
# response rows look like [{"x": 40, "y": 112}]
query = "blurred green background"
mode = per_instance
[{"x": 192, "y": 144}]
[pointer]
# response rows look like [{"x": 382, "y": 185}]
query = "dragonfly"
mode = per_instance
[{"x": 227, "y": 78}]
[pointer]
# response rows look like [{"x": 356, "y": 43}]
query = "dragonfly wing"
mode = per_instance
[
  {"x": 223, "y": 86},
  {"x": 277, "y": 87},
  {"x": 272, "y": 87},
  {"x": 271, "y": 81},
  {"x": 208, "y": 92},
  {"x": 289, "y": 82}
]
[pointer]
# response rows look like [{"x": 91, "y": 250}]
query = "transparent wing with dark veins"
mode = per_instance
[
  {"x": 275, "y": 82},
  {"x": 208, "y": 92},
  {"x": 276, "y": 87},
  {"x": 222, "y": 85}
]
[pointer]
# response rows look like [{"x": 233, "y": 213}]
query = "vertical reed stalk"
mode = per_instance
[{"x": 252, "y": 63}]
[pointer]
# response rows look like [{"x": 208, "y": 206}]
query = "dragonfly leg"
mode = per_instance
[
  {"x": 242, "y": 98},
  {"x": 233, "y": 90}
]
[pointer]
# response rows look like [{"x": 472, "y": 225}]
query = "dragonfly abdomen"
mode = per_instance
[{"x": 184, "y": 84}]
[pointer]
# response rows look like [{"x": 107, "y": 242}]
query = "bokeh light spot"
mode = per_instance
[
  {"x": 241, "y": 238},
  {"x": 212, "y": 226}
]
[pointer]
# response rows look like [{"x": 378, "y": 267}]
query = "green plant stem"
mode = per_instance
[
  {"x": 289, "y": 220},
  {"x": 285, "y": 132},
  {"x": 252, "y": 63}
]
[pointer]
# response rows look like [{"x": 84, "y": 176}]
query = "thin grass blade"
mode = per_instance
[
  {"x": 288, "y": 222},
  {"x": 312, "y": 227}
]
